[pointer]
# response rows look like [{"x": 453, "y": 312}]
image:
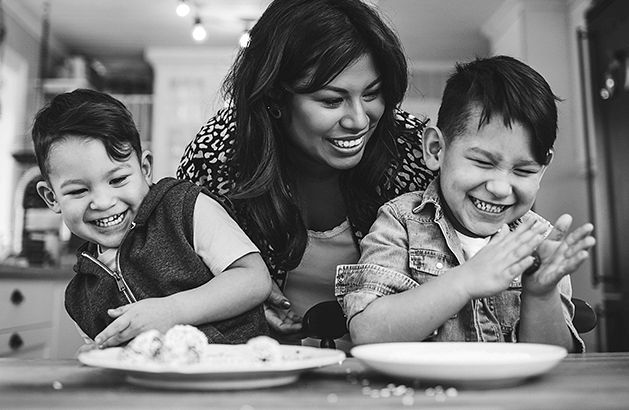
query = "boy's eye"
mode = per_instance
[
  {"x": 526, "y": 172},
  {"x": 119, "y": 180},
  {"x": 482, "y": 163},
  {"x": 77, "y": 192}
]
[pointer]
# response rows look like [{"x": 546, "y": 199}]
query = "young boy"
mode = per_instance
[
  {"x": 451, "y": 263},
  {"x": 157, "y": 254}
]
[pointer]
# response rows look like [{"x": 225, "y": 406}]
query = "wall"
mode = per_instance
[
  {"x": 186, "y": 93},
  {"x": 21, "y": 62},
  {"x": 543, "y": 34}
]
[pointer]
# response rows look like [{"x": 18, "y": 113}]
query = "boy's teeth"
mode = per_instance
[
  {"x": 487, "y": 207},
  {"x": 110, "y": 220},
  {"x": 347, "y": 143}
]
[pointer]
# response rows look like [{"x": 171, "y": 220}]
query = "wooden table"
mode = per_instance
[{"x": 592, "y": 381}]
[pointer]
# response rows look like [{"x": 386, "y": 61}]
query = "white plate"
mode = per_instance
[
  {"x": 461, "y": 363},
  {"x": 210, "y": 376}
]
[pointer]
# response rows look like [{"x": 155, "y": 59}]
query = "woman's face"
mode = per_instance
[{"x": 329, "y": 128}]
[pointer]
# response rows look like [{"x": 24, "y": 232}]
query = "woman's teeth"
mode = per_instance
[
  {"x": 109, "y": 221},
  {"x": 348, "y": 143},
  {"x": 487, "y": 207}
]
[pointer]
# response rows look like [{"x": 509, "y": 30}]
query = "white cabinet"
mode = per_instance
[
  {"x": 33, "y": 320},
  {"x": 186, "y": 93}
]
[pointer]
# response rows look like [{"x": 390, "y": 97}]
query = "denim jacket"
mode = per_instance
[{"x": 412, "y": 242}]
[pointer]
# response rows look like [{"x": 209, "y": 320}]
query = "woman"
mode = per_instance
[{"x": 312, "y": 144}]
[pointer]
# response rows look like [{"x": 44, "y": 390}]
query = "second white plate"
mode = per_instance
[{"x": 461, "y": 363}]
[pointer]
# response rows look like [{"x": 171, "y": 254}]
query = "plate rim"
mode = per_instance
[
  {"x": 322, "y": 357},
  {"x": 460, "y": 373},
  {"x": 550, "y": 350}
]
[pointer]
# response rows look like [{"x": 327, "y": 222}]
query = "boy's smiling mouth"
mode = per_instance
[
  {"x": 110, "y": 220},
  {"x": 488, "y": 207}
]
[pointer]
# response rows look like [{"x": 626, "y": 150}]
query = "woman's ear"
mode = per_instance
[
  {"x": 146, "y": 163},
  {"x": 48, "y": 195},
  {"x": 433, "y": 147}
]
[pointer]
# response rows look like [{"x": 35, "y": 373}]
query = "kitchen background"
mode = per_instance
[{"x": 144, "y": 52}]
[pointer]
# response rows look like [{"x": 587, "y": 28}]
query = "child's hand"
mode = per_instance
[
  {"x": 560, "y": 255},
  {"x": 135, "y": 318},
  {"x": 504, "y": 258}
]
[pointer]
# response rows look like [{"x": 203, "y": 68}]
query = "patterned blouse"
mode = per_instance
[{"x": 206, "y": 161}]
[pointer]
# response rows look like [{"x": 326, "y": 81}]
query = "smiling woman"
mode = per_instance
[{"x": 312, "y": 144}]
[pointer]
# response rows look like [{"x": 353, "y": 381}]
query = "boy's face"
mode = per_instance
[
  {"x": 98, "y": 197},
  {"x": 489, "y": 177}
]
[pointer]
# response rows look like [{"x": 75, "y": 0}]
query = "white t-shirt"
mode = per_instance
[
  {"x": 218, "y": 239},
  {"x": 472, "y": 245},
  {"x": 313, "y": 280}
]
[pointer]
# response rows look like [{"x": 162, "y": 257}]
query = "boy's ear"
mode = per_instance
[
  {"x": 146, "y": 163},
  {"x": 550, "y": 156},
  {"x": 433, "y": 146},
  {"x": 48, "y": 195}
]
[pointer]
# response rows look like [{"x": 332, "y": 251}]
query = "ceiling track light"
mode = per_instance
[
  {"x": 183, "y": 8},
  {"x": 198, "y": 31}
]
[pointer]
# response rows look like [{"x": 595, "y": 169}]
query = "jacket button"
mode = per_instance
[{"x": 439, "y": 265}]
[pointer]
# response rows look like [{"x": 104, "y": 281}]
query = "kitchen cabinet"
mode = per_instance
[
  {"x": 33, "y": 320},
  {"x": 186, "y": 93}
]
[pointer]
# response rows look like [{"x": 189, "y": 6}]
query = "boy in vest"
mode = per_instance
[{"x": 156, "y": 254}]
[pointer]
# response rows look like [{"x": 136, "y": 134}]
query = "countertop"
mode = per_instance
[{"x": 588, "y": 381}]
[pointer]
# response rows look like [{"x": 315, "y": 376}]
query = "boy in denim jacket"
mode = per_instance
[
  {"x": 156, "y": 255},
  {"x": 467, "y": 259}
]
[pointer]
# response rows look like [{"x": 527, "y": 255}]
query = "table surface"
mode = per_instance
[{"x": 589, "y": 381}]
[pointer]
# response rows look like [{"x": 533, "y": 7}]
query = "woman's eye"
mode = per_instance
[
  {"x": 372, "y": 95},
  {"x": 332, "y": 102}
]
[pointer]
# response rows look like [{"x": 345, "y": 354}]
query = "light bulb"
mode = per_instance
[
  {"x": 183, "y": 9},
  {"x": 244, "y": 39},
  {"x": 198, "y": 31}
]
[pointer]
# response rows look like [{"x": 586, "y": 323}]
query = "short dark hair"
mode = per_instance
[
  {"x": 501, "y": 86},
  {"x": 85, "y": 113}
]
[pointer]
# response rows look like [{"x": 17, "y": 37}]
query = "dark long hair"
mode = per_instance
[{"x": 292, "y": 41}]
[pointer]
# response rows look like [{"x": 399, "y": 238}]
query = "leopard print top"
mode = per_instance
[{"x": 206, "y": 162}]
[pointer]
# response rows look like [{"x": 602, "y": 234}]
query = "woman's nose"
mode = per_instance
[{"x": 355, "y": 117}]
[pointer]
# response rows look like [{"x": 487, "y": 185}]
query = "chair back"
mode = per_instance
[
  {"x": 585, "y": 318},
  {"x": 325, "y": 321}
]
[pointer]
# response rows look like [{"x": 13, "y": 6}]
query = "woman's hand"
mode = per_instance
[
  {"x": 560, "y": 254},
  {"x": 279, "y": 314}
]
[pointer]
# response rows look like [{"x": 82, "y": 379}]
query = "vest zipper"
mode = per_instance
[{"x": 122, "y": 284}]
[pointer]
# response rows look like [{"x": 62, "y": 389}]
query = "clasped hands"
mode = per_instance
[{"x": 510, "y": 253}]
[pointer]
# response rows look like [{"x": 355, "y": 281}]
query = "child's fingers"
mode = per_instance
[
  {"x": 117, "y": 312},
  {"x": 111, "y": 335},
  {"x": 561, "y": 227},
  {"x": 519, "y": 267}
]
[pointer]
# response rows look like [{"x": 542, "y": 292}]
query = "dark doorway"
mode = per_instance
[{"x": 608, "y": 34}]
